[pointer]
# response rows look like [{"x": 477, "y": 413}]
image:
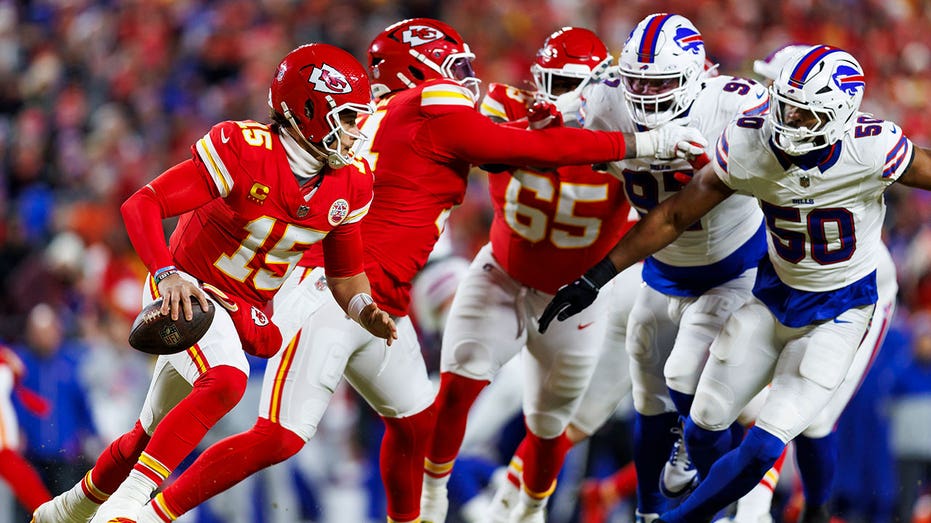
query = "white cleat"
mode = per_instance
[
  {"x": 678, "y": 476},
  {"x": 523, "y": 513},
  {"x": 68, "y": 507},
  {"x": 117, "y": 509},
  {"x": 649, "y": 517},
  {"x": 504, "y": 501}
]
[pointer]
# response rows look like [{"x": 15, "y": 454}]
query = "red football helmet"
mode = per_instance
[
  {"x": 418, "y": 49},
  {"x": 312, "y": 86},
  {"x": 569, "y": 56}
]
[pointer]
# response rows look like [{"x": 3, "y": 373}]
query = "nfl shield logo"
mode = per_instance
[
  {"x": 804, "y": 181},
  {"x": 302, "y": 211}
]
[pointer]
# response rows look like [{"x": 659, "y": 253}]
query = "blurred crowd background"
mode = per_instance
[{"x": 99, "y": 97}]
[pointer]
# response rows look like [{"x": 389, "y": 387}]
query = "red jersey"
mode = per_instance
[
  {"x": 423, "y": 141},
  {"x": 248, "y": 239},
  {"x": 550, "y": 225}
]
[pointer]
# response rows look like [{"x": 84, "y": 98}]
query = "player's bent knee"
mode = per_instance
[
  {"x": 473, "y": 359},
  {"x": 226, "y": 385},
  {"x": 545, "y": 426},
  {"x": 712, "y": 411},
  {"x": 278, "y": 442}
]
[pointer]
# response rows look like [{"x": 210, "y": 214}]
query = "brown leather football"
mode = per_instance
[{"x": 154, "y": 333}]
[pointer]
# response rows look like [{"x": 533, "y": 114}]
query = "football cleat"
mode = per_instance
[
  {"x": 524, "y": 513},
  {"x": 650, "y": 517},
  {"x": 506, "y": 496},
  {"x": 678, "y": 476},
  {"x": 68, "y": 507}
]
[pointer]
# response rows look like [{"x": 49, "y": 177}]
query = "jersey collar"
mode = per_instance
[
  {"x": 823, "y": 158},
  {"x": 303, "y": 164}
]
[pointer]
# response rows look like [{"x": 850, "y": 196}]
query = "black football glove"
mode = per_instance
[{"x": 573, "y": 298}]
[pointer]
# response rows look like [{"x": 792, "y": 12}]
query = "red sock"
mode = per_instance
[
  {"x": 228, "y": 462},
  {"x": 624, "y": 481},
  {"x": 543, "y": 459},
  {"x": 453, "y": 401},
  {"x": 23, "y": 480},
  {"x": 772, "y": 475},
  {"x": 401, "y": 460},
  {"x": 214, "y": 394},
  {"x": 114, "y": 464},
  {"x": 516, "y": 466}
]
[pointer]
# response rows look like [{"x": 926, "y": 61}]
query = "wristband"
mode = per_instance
[
  {"x": 601, "y": 273},
  {"x": 163, "y": 273},
  {"x": 356, "y": 304},
  {"x": 643, "y": 142}
]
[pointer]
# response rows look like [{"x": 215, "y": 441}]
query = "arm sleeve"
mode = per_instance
[
  {"x": 467, "y": 135},
  {"x": 343, "y": 252},
  {"x": 178, "y": 190}
]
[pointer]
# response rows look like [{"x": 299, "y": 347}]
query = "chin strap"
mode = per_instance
[{"x": 333, "y": 159}]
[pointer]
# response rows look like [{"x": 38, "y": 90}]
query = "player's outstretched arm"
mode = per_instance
[
  {"x": 919, "y": 172},
  {"x": 660, "y": 227},
  {"x": 481, "y": 141}
]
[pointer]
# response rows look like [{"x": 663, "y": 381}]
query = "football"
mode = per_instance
[{"x": 154, "y": 333}]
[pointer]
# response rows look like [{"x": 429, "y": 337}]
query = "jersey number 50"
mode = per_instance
[{"x": 831, "y": 231}]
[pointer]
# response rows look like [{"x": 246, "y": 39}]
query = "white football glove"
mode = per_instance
[{"x": 670, "y": 141}]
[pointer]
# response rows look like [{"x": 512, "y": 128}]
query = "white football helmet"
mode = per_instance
[
  {"x": 661, "y": 68},
  {"x": 823, "y": 85},
  {"x": 770, "y": 66}
]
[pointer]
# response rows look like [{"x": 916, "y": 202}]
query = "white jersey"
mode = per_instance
[
  {"x": 730, "y": 225},
  {"x": 824, "y": 210}
]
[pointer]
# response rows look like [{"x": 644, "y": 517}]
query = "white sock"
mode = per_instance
[
  {"x": 434, "y": 483},
  {"x": 137, "y": 487},
  {"x": 531, "y": 502},
  {"x": 148, "y": 515},
  {"x": 755, "y": 505}
]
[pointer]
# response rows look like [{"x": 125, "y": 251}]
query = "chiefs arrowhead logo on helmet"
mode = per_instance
[
  {"x": 326, "y": 79},
  {"x": 420, "y": 34}
]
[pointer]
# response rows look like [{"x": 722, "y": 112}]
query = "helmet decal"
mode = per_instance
[
  {"x": 647, "y": 51},
  {"x": 805, "y": 66},
  {"x": 848, "y": 79},
  {"x": 327, "y": 79},
  {"x": 688, "y": 39},
  {"x": 420, "y": 34}
]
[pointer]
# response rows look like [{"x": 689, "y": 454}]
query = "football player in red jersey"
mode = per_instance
[
  {"x": 252, "y": 199},
  {"x": 425, "y": 135},
  {"x": 18, "y": 474},
  {"x": 564, "y": 216}
]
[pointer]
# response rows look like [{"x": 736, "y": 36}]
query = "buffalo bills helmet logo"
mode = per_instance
[
  {"x": 327, "y": 79},
  {"x": 848, "y": 79},
  {"x": 689, "y": 40}
]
